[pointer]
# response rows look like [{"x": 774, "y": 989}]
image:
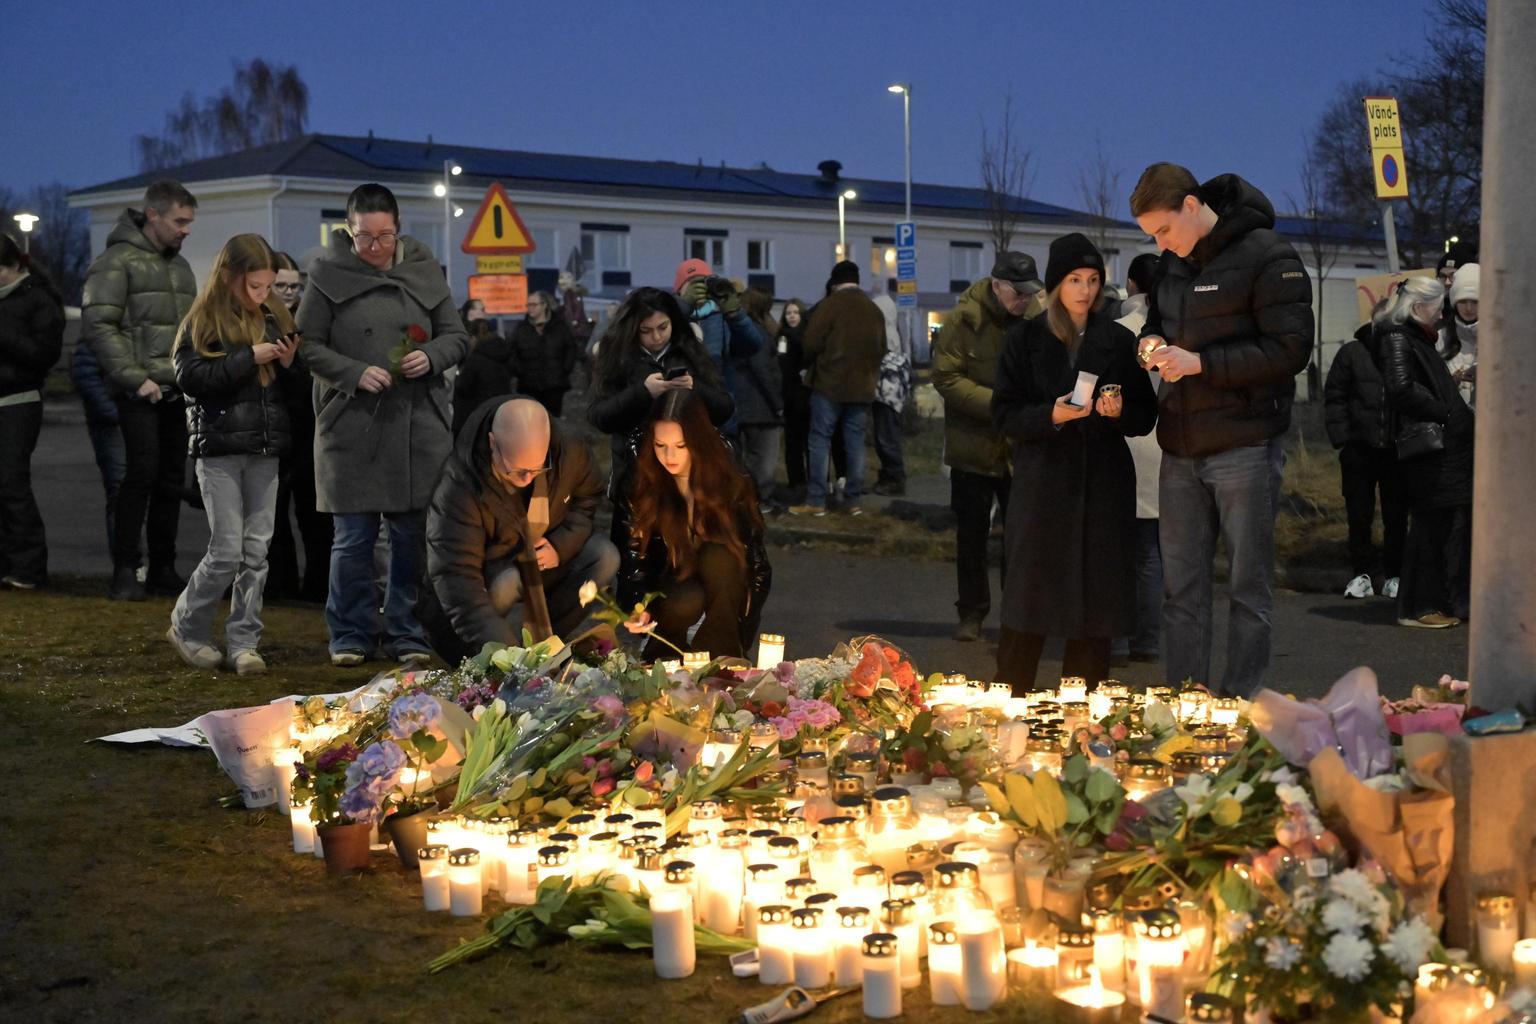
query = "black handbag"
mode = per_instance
[{"x": 1418, "y": 439}]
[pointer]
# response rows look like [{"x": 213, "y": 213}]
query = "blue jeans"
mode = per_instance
[
  {"x": 1228, "y": 495},
  {"x": 826, "y": 415},
  {"x": 352, "y": 606},
  {"x": 239, "y": 495}
]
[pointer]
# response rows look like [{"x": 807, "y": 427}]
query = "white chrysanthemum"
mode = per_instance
[
  {"x": 1195, "y": 791},
  {"x": 1341, "y": 915},
  {"x": 1353, "y": 885},
  {"x": 1348, "y": 956},
  {"x": 1242, "y": 792},
  {"x": 1281, "y": 776},
  {"x": 1292, "y": 795},
  {"x": 1281, "y": 954},
  {"x": 1236, "y": 925},
  {"x": 1409, "y": 944}
]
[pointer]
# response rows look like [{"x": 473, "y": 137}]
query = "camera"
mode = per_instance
[{"x": 719, "y": 288}]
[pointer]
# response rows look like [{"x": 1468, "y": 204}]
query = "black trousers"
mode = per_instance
[
  {"x": 1437, "y": 563},
  {"x": 797, "y": 438},
  {"x": 717, "y": 591},
  {"x": 1018, "y": 659},
  {"x": 971, "y": 496},
  {"x": 1363, "y": 471},
  {"x": 155, "y": 442},
  {"x": 296, "y": 492},
  {"x": 23, "y": 542}
]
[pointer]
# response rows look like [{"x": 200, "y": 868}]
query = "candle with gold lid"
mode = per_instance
[
  {"x": 1160, "y": 963},
  {"x": 432, "y": 862},
  {"x": 464, "y": 885},
  {"x": 1209, "y": 1008},
  {"x": 851, "y": 924},
  {"x": 1072, "y": 689},
  {"x": 944, "y": 966},
  {"x": 1498, "y": 929},
  {"x": 1091, "y": 1002},
  {"x": 775, "y": 954},
  {"x": 770, "y": 651},
  {"x": 693, "y": 661},
  {"x": 812, "y": 949},
  {"x": 672, "y": 939},
  {"x": 882, "y": 975}
]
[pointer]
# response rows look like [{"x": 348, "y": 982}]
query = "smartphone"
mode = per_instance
[{"x": 674, "y": 373}]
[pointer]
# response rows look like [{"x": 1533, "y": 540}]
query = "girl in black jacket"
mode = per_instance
[
  {"x": 695, "y": 534},
  {"x": 31, "y": 339},
  {"x": 1434, "y": 591},
  {"x": 228, "y": 356}
]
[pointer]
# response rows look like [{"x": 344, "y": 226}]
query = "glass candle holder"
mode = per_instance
[
  {"x": 1074, "y": 953},
  {"x": 869, "y": 884},
  {"x": 770, "y": 651},
  {"x": 983, "y": 961},
  {"x": 944, "y": 968},
  {"x": 432, "y": 861},
  {"x": 851, "y": 924},
  {"x": 775, "y": 953},
  {"x": 1498, "y": 929},
  {"x": 811, "y": 948},
  {"x": 1160, "y": 963},
  {"x": 1145, "y": 776},
  {"x": 302, "y": 829},
  {"x": 465, "y": 895},
  {"x": 1032, "y": 967},
  {"x": 1109, "y": 948},
  {"x": 672, "y": 940},
  {"x": 882, "y": 975}
]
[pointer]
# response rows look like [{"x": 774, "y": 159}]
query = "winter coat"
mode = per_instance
[
  {"x": 379, "y": 452},
  {"x": 31, "y": 335},
  {"x": 621, "y": 407},
  {"x": 576, "y": 317},
  {"x": 91, "y": 386},
  {"x": 543, "y": 360},
  {"x": 846, "y": 341},
  {"x": 1354, "y": 397},
  {"x": 759, "y": 389},
  {"x": 135, "y": 298},
  {"x": 228, "y": 411},
  {"x": 792, "y": 363},
  {"x": 1243, "y": 301},
  {"x": 474, "y": 521},
  {"x": 1145, "y": 451},
  {"x": 964, "y": 368},
  {"x": 486, "y": 373},
  {"x": 1070, "y": 533},
  {"x": 1420, "y": 389},
  {"x": 895, "y": 367}
]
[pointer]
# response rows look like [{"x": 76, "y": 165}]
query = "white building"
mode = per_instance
[{"x": 629, "y": 223}]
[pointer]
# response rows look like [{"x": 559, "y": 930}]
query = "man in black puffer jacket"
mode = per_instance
[
  {"x": 1356, "y": 402},
  {"x": 1229, "y": 327}
]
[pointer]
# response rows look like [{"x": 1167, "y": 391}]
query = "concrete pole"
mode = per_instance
[{"x": 1503, "y": 628}]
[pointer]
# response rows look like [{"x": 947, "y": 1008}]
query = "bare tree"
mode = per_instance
[
  {"x": 1320, "y": 237},
  {"x": 1006, "y": 178},
  {"x": 61, "y": 242},
  {"x": 267, "y": 103},
  {"x": 1098, "y": 188}
]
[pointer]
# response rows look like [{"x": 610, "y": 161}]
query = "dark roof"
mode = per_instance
[
  {"x": 355, "y": 158},
  {"x": 1329, "y": 230}
]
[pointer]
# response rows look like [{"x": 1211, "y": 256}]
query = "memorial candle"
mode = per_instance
[
  {"x": 811, "y": 948},
  {"x": 693, "y": 661},
  {"x": 464, "y": 888},
  {"x": 764, "y": 883},
  {"x": 553, "y": 862},
  {"x": 303, "y": 828},
  {"x": 1523, "y": 962},
  {"x": 1091, "y": 1003},
  {"x": 944, "y": 966},
  {"x": 518, "y": 871},
  {"x": 672, "y": 939},
  {"x": 848, "y": 944},
  {"x": 983, "y": 962},
  {"x": 1160, "y": 963},
  {"x": 1072, "y": 690},
  {"x": 770, "y": 651},
  {"x": 900, "y": 919},
  {"x": 432, "y": 861},
  {"x": 1109, "y": 948},
  {"x": 1033, "y": 967},
  {"x": 882, "y": 975},
  {"x": 1497, "y": 930},
  {"x": 775, "y": 955}
]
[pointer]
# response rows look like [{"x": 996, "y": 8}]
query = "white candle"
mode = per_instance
[
  {"x": 770, "y": 651},
  {"x": 983, "y": 963},
  {"x": 812, "y": 950},
  {"x": 465, "y": 895},
  {"x": 1523, "y": 960},
  {"x": 1093, "y": 1002},
  {"x": 1160, "y": 963},
  {"x": 1032, "y": 966},
  {"x": 1109, "y": 949},
  {"x": 1073, "y": 688},
  {"x": 303, "y": 828},
  {"x": 900, "y": 919},
  {"x": 432, "y": 861},
  {"x": 284, "y": 762},
  {"x": 672, "y": 933},
  {"x": 1498, "y": 929},
  {"x": 848, "y": 945},
  {"x": 775, "y": 959},
  {"x": 554, "y": 862},
  {"x": 724, "y": 887},
  {"x": 517, "y": 867},
  {"x": 695, "y": 660},
  {"x": 944, "y": 966},
  {"x": 764, "y": 883},
  {"x": 882, "y": 976}
]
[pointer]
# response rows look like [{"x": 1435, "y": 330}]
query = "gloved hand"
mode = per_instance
[{"x": 694, "y": 294}]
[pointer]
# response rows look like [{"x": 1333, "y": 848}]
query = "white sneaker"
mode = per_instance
[
  {"x": 247, "y": 663},
  {"x": 195, "y": 654},
  {"x": 1389, "y": 588},
  {"x": 1360, "y": 586}
]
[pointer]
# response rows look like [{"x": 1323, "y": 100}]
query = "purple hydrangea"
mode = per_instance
[
  {"x": 412, "y": 712},
  {"x": 361, "y": 804},
  {"x": 384, "y": 758}
]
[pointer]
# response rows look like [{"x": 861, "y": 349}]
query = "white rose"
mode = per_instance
[{"x": 588, "y": 593}]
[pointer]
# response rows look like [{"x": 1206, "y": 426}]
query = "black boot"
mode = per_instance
[
  {"x": 162, "y": 581},
  {"x": 125, "y": 584}
]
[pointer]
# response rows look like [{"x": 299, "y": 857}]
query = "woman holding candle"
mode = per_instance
[
  {"x": 695, "y": 534},
  {"x": 1071, "y": 522}
]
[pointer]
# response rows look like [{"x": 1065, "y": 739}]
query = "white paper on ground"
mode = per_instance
[{"x": 1083, "y": 392}]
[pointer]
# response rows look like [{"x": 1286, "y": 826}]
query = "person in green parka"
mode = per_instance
[{"x": 379, "y": 329}]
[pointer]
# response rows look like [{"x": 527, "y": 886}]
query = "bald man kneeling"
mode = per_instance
[{"x": 516, "y": 487}]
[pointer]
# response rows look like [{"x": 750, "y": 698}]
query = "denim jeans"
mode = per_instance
[
  {"x": 1230, "y": 495},
  {"x": 239, "y": 495},
  {"x": 1149, "y": 589},
  {"x": 826, "y": 416},
  {"x": 352, "y": 606},
  {"x": 760, "y": 454},
  {"x": 111, "y": 462}
]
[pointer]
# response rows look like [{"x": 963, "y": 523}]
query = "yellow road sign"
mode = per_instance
[
  {"x": 498, "y": 264},
  {"x": 1385, "y": 129},
  {"x": 497, "y": 230},
  {"x": 906, "y": 287}
]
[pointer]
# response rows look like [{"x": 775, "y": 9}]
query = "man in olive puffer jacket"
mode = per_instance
[
  {"x": 136, "y": 294},
  {"x": 1232, "y": 311}
]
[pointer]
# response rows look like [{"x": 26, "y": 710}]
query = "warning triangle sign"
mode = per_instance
[{"x": 497, "y": 230}]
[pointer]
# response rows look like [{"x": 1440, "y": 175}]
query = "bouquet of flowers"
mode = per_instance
[
  {"x": 1071, "y": 815},
  {"x": 948, "y": 742}
]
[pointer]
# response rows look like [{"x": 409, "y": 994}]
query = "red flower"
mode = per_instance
[
  {"x": 416, "y": 334},
  {"x": 602, "y": 787},
  {"x": 643, "y": 771},
  {"x": 914, "y": 759},
  {"x": 772, "y": 709}
]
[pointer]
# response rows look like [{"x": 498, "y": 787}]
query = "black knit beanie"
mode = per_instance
[
  {"x": 1069, "y": 253},
  {"x": 845, "y": 272}
]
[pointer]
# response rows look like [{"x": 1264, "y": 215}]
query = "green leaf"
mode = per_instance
[
  {"x": 1075, "y": 770},
  {"x": 1101, "y": 787},
  {"x": 1077, "y": 810},
  {"x": 921, "y": 724}
]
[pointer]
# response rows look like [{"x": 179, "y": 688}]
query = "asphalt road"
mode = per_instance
[{"x": 820, "y": 598}]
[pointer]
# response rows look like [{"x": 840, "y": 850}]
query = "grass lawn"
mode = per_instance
[{"x": 131, "y": 894}]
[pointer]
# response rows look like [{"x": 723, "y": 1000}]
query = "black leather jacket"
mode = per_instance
[{"x": 228, "y": 411}]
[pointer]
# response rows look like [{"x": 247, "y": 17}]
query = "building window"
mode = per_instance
[
  {"x": 709, "y": 248},
  {"x": 328, "y": 226},
  {"x": 965, "y": 261},
  {"x": 759, "y": 255},
  {"x": 427, "y": 232},
  {"x": 882, "y": 258},
  {"x": 546, "y": 249},
  {"x": 604, "y": 254}
]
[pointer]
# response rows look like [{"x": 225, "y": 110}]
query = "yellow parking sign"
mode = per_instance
[{"x": 1386, "y": 135}]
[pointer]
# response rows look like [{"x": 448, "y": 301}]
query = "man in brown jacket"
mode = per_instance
[{"x": 845, "y": 342}]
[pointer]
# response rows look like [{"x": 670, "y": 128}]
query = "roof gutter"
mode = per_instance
[{"x": 272, "y": 212}]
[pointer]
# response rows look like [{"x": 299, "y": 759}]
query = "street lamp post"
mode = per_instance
[
  {"x": 26, "y": 222},
  {"x": 842, "y": 221},
  {"x": 905, "y": 88},
  {"x": 445, "y": 190}
]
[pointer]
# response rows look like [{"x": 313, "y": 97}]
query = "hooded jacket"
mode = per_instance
[
  {"x": 31, "y": 335},
  {"x": 379, "y": 452},
  {"x": 1354, "y": 396},
  {"x": 474, "y": 521},
  {"x": 135, "y": 298},
  {"x": 964, "y": 370},
  {"x": 1242, "y": 301}
]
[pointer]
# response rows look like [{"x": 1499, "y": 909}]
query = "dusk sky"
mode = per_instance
[{"x": 1217, "y": 86}]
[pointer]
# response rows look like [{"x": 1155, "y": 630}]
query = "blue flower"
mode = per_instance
[
  {"x": 384, "y": 758},
  {"x": 410, "y": 713},
  {"x": 360, "y": 805}
]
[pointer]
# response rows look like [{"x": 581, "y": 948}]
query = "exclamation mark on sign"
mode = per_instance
[{"x": 496, "y": 219}]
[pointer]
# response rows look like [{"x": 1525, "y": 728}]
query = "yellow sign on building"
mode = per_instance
[
  {"x": 497, "y": 230},
  {"x": 1386, "y": 134}
]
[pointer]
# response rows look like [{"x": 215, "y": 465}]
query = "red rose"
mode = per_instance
[
  {"x": 772, "y": 709},
  {"x": 914, "y": 760},
  {"x": 416, "y": 334},
  {"x": 602, "y": 787},
  {"x": 643, "y": 771}
]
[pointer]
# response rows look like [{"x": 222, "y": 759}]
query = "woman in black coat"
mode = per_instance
[
  {"x": 1434, "y": 592},
  {"x": 31, "y": 340},
  {"x": 1072, "y": 509},
  {"x": 545, "y": 352},
  {"x": 797, "y": 397},
  {"x": 486, "y": 372}
]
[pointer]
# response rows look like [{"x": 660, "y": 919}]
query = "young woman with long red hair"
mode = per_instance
[{"x": 695, "y": 533}]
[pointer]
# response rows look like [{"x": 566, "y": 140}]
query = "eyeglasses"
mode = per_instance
[
  {"x": 363, "y": 240},
  {"x": 295, "y": 286},
  {"x": 521, "y": 477}
]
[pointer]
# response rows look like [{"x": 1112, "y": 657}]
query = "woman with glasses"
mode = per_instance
[
  {"x": 544, "y": 352},
  {"x": 696, "y": 535},
  {"x": 380, "y": 328}
]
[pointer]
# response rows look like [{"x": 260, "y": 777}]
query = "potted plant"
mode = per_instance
[
  {"x": 410, "y": 804},
  {"x": 325, "y": 778}
]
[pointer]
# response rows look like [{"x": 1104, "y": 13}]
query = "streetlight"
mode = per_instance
[
  {"x": 842, "y": 222},
  {"x": 444, "y": 190},
  {"x": 26, "y": 221},
  {"x": 905, "y": 89}
]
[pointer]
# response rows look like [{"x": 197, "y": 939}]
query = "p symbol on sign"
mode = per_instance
[{"x": 906, "y": 234}]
